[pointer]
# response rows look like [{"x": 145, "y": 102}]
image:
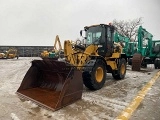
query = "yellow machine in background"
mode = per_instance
[
  {"x": 57, "y": 52},
  {"x": 45, "y": 54},
  {"x": 57, "y": 40},
  {"x": 2, "y": 55},
  {"x": 54, "y": 84},
  {"x": 53, "y": 52},
  {"x": 10, "y": 54}
]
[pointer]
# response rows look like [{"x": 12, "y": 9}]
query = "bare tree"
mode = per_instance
[{"x": 128, "y": 28}]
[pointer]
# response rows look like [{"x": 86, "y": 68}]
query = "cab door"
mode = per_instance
[
  {"x": 105, "y": 48},
  {"x": 109, "y": 41}
]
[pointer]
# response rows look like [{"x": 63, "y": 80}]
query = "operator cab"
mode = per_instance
[
  {"x": 156, "y": 46},
  {"x": 101, "y": 35}
]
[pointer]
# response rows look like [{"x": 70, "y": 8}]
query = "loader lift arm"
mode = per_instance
[{"x": 78, "y": 57}]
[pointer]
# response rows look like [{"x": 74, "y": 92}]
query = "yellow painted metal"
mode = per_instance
[
  {"x": 113, "y": 64},
  {"x": 99, "y": 74},
  {"x": 69, "y": 53},
  {"x": 10, "y": 54},
  {"x": 45, "y": 54},
  {"x": 116, "y": 55},
  {"x": 2, "y": 55},
  {"x": 57, "y": 40},
  {"x": 122, "y": 69},
  {"x": 77, "y": 57},
  {"x": 118, "y": 48}
]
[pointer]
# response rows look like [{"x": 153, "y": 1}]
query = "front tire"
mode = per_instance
[{"x": 94, "y": 79}]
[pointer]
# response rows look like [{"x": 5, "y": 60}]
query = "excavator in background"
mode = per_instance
[
  {"x": 54, "y": 84},
  {"x": 154, "y": 52},
  {"x": 55, "y": 52},
  {"x": 10, "y": 54},
  {"x": 148, "y": 51},
  {"x": 129, "y": 48},
  {"x": 141, "y": 52}
]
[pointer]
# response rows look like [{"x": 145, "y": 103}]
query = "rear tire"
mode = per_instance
[
  {"x": 121, "y": 72},
  {"x": 156, "y": 64},
  {"x": 129, "y": 61},
  {"x": 95, "y": 78}
]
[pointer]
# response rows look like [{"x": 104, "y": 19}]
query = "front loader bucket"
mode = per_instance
[{"x": 51, "y": 84}]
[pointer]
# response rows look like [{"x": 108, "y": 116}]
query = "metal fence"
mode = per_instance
[{"x": 27, "y": 51}]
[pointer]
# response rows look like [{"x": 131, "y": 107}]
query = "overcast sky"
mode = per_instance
[{"x": 37, "y": 22}]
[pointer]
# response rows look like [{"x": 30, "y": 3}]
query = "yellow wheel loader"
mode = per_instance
[
  {"x": 44, "y": 54},
  {"x": 10, "y": 54},
  {"x": 2, "y": 55},
  {"x": 54, "y": 84}
]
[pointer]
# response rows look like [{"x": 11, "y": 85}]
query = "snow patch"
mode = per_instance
[
  {"x": 31, "y": 104},
  {"x": 14, "y": 117}
]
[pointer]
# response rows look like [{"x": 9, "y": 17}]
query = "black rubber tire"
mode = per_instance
[
  {"x": 89, "y": 78},
  {"x": 129, "y": 61},
  {"x": 158, "y": 64},
  {"x": 136, "y": 62},
  {"x": 144, "y": 65},
  {"x": 117, "y": 75},
  {"x": 155, "y": 63}
]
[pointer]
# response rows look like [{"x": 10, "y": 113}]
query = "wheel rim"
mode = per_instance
[
  {"x": 99, "y": 74},
  {"x": 123, "y": 69}
]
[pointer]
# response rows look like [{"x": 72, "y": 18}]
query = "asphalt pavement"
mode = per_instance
[{"x": 149, "y": 108}]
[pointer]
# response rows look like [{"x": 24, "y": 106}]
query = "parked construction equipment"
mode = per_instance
[
  {"x": 129, "y": 48},
  {"x": 54, "y": 84},
  {"x": 55, "y": 52},
  {"x": 10, "y": 54},
  {"x": 148, "y": 51},
  {"x": 45, "y": 54},
  {"x": 155, "y": 53},
  {"x": 144, "y": 51}
]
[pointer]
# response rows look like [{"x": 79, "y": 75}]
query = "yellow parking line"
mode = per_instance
[{"x": 126, "y": 114}]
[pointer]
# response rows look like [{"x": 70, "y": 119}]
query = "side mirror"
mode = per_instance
[{"x": 81, "y": 33}]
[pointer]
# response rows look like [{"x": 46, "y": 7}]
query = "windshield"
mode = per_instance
[
  {"x": 155, "y": 43},
  {"x": 93, "y": 35}
]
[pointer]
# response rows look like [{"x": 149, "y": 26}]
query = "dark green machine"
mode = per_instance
[
  {"x": 153, "y": 52},
  {"x": 129, "y": 48},
  {"x": 124, "y": 41},
  {"x": 148, "y": 51}
]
